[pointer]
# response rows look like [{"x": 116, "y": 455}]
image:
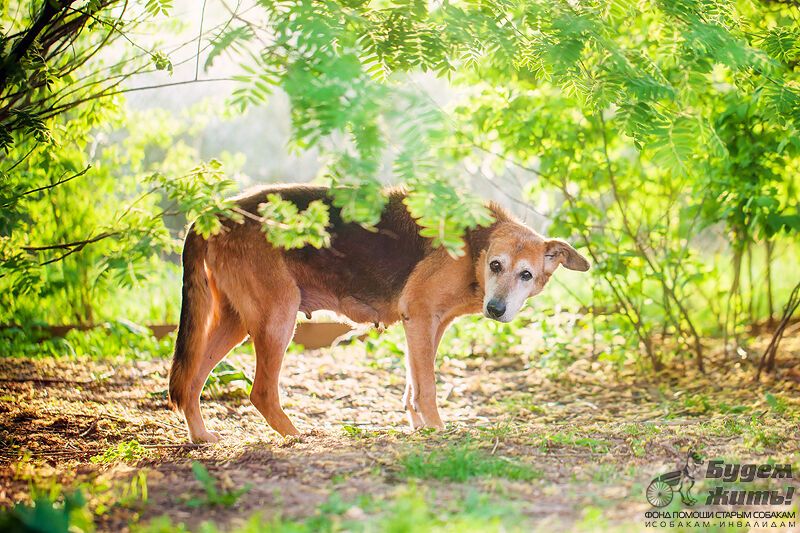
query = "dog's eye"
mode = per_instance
[
  {"x": 550, "y": 256},
  {"x": 526, "y": 275},
  {"x": 495, "y": 266}
]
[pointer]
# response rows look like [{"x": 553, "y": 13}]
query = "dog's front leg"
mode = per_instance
[
  {"x": 413, "y": 416},
  {"x": 420, "y": 397}
]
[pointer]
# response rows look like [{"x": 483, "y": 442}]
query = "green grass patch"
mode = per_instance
[
  {"x": 605, "y": 473},
  {"x": 463, "y": 462},
  {"x": 725, "y": 427},
  {"x": 521, "y": 404},
  {"x": 54, "y": 508},
  {"x": 499, "y": 430},
  {"x": 357, "y": 433},
  {"x": 407, "y": 510},
  {"x": 776, "y": 403},
  {"x": 555, "y": 440},
  {"x": 759, "y": 437},
  {"x": 756, "y": 432},
  {"x": 125, "y": 452},
  {"x": 213, "y": 494},
  {"x": 639, "y": 435},
  {"x": 701, "y": 404}
]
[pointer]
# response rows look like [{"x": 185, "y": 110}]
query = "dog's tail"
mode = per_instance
[{"x": 196, "y": 311}]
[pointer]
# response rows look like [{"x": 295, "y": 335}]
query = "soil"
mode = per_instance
[{"x": 596, "y": 433}]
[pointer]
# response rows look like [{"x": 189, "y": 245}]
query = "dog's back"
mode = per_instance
[{"x": 366, "y": 265}]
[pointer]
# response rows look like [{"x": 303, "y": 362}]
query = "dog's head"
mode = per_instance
[{"x": 517, "y": 264}]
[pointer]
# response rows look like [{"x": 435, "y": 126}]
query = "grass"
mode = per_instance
[
  {"x": 639, "y": 435},
  {"x": 485, "y": 472},
  {"x": 554, "y": 440},
  {"x": 776, "y": 403},
  {"x": 605, "y": 473},
  {"x": 213, "y": 495},
  {"x": 759, "y": 437},
  {"x": 522, "y": 404},
  {"x": 757, "y": 432},
  {"x": 124, "y": 452},
  {"x": 462, "y": 462},
  {"x": 55, "y": 508},
  {"x": 358, "y": 433},
  {"x": 407, "y": 510},
  {"x": 500, "y": 430}
]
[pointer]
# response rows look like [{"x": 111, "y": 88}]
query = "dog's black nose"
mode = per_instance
[{"x": 496, "y": 308}]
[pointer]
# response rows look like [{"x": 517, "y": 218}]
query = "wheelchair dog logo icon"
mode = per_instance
[{"x": 661, "y": 490}]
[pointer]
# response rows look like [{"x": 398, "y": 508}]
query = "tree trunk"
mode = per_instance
[
  {"x": 734, "y": 291},
  {"x": 751, "y": 288},
  {"x": 770, "y": 308},
  {"x": 20, "y": 49}
]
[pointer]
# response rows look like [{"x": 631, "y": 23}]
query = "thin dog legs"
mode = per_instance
[
  {"x": 223, "y": 337},
  {"x": 270, "y": 342},
  {"x": 422, "y": 339}
]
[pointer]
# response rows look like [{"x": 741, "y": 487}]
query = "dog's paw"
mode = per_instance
[
  {"x": 207, "y": 437},
  {"x": 428, "y": 429},
  {"x": 414, "y": 420}
]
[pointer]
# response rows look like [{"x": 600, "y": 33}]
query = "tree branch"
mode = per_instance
[
  {"x": 50, "y": 9},
  {"x": 44, "y": 188},
  {"x": 70, "y": 245}
]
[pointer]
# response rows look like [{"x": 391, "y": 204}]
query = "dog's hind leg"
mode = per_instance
[
  {"x": 271, "y": 337},
  {"x": 227, "y": 333}
]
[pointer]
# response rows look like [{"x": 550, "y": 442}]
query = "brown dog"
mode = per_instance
[{"x": 236, "y": 283}]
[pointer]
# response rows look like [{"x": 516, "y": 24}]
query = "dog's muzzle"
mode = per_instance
[{"x": 495, "y": 308}]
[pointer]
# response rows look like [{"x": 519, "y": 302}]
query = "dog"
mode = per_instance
[{"x": 235, "y": 283}]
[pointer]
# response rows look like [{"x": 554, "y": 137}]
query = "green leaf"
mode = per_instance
[
  {"x": 287, "y": 227},
  {"x": 229, "y": 38},
  {"x": 158, "y": 7}
]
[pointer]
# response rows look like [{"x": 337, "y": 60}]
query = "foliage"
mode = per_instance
[
  {"x": 214, "y": 495},
  {"x": 85, "y": 204},
  {"x": 46, "y": 515},
  {"x": 225, "y": 373},
  {"x": 407, "y": 510},
  {"x": 548, "y": 442},
  {"x": 462, "y": 462},
  {"x": 126, "y": 451},
  {"x": 116, "y": 242},
  {"x": 358, "y": 433},
  {"x": 319, "y": 54},
  {"x": 628, "y": 120},
  {"x": 776, "y": 403},
  {"x": 289, "y": 228},
  {"x": 109, "y": 340},
  {"x": 55, "y": 508},
  {"x": 200, "y": 194},
  {"x": 659, "y": 137}
]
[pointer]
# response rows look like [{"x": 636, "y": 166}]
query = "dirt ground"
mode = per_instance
[{"x": 589, "y": 437}]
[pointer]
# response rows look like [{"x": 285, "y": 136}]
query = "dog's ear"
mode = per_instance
[{"x": 557, "y": 252}]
